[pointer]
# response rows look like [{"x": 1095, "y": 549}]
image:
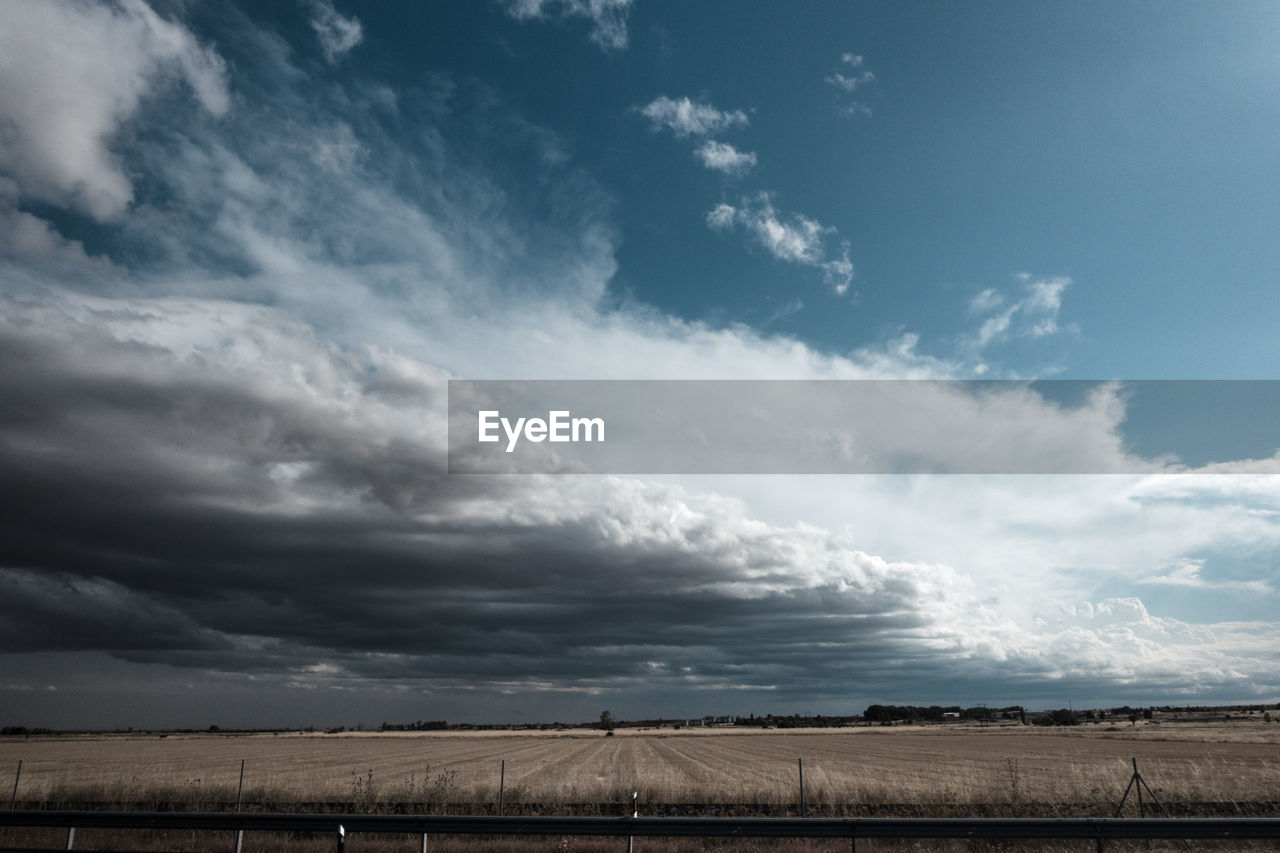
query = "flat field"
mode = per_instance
[{"x": 938, "y": 768}]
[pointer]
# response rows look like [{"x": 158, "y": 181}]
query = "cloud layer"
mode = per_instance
[
  {"x": 278, "y": 508},
  {"x": 223, "y": 437}
]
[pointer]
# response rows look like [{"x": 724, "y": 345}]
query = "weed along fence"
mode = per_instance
[{"x": 341, "y": 827}]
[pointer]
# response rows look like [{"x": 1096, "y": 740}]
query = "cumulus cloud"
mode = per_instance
[
  {"x": 608, "y": 17},
  {"x": 338, "y": 33},
  {"x": 796, "y": 238},
  {"x": 690, "y": 118},
  {"x": 723, "y": 157},
  {"x": 73, "y": 74},
  {"x": 1119, "y": 640}
]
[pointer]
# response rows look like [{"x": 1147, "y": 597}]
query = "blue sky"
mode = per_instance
[
  {"x": 243, "y": 248},
  {"x": 1122, "y": 145}
]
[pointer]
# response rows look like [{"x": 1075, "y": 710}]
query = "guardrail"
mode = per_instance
[{"x": 1091, "y": 829}]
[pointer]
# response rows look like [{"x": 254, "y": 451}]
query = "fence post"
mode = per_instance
[
  {"x": 342, "y": 838},
  {"x": 71, "y": 837},
  {"x": 239, "y": 794},
  {"x": 1142, "y": 809},
  {"x": 13, "y": 801},
  {"x": 635, "y": 812},
  {"x": 502, "y": 784},
  {"x": 803, "y": 810}
]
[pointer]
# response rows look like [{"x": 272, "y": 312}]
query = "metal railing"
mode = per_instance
[{"x": 1091, "y": 829}]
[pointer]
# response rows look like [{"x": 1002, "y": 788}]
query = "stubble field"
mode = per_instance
[{"x": 923, "y": 770}]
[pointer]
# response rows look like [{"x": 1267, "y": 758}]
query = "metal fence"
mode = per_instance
[{"x": 340, "y": 826}]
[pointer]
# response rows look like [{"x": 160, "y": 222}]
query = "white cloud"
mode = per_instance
[
  {"x": 796, "y": 239},
  {"x": 608, "y": 17},
  {"x": 723, "y": 157},
  {"x": 338, "y": 33},
  {"x": 1034, "y": 315},
  {"x": 72, "y": 73},
  {"x": 722, "y": 216},
  {"x": 690, "y": 118},
  {"x": 30, "y": 238},
  {"x": 850, "y": 83},
  {"x": 1186, "y": 572},
  {"x": 838, "y": 271},
  {"x": 986, "y": 301}
]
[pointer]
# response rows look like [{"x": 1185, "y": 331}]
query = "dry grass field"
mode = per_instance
[{"x": 928, "y": 769}]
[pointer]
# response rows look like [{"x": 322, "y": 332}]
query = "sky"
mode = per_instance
[{"x": 245, "y": 247}]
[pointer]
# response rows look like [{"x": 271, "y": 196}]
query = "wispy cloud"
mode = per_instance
[
  {"x": 795, "y": 238},
  {"x": 850, "y": 76},
  {"x": 1034, "y": 314},
  {"x": 338, "y": 33},
  {"x": 795, "y": 306},
  {"x": 1187, "y": 573},
  {"x": 723, "y": 157},
  {"x": 608, "y": 17},
  {"x": 690, "y": 118}
]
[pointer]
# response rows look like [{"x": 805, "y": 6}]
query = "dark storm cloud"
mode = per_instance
[
  {"x": 285, "y": 515},
  {"x": 169, "y": 508}
]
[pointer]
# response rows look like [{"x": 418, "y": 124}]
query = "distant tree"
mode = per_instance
[
  {"x": 1060, "y": 717},
  {"x": 606, "y": 721},
  {"x": 1148, "y": 713}
]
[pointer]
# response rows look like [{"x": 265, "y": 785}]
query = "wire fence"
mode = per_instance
[
  {"x": 339, "y": 827},
  {"x": 325, "y": 820}
]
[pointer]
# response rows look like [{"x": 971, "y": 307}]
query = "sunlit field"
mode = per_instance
[{"x": 916, "y": 769}]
